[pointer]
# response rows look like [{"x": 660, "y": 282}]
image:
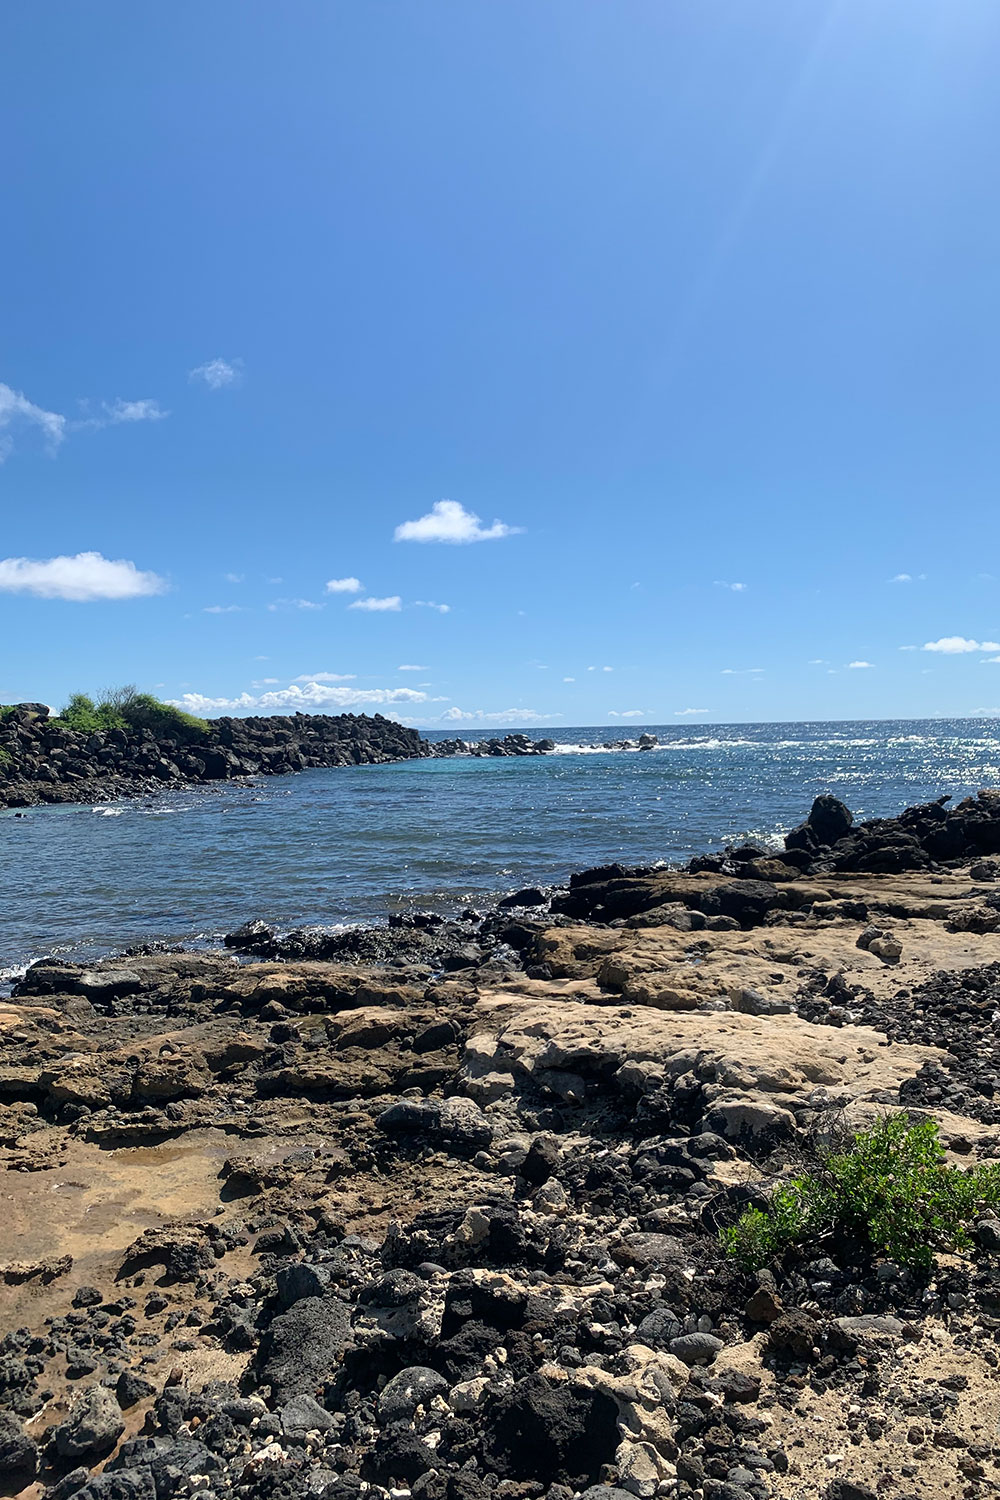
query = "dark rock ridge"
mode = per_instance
[{"x": 44, "y": 761}]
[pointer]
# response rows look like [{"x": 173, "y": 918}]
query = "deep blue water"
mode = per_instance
[{"x": 356, "y": 844}]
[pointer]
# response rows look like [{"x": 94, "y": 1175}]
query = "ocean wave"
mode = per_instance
[{"x": 108, "y": 812}]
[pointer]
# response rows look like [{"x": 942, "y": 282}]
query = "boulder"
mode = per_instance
[
  {"x": 93, "y": 1426},
  {"x": 302, "y": 1347}
]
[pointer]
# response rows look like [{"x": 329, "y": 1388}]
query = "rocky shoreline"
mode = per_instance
[
  {"x": 43, "y": 761},
  {"x": 431, "y": 1210}
]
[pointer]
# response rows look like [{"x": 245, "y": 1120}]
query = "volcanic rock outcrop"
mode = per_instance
[{"x": 434, "y": 1211}]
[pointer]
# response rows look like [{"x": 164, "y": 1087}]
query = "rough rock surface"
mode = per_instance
[{"x": 352, "y": 1217}]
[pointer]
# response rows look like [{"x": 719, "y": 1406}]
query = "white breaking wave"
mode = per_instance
[{"x": 108, "y": 812}]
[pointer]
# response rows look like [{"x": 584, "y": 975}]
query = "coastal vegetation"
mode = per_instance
[
  {"x": 890, "y": 1193},
  {"x": 126, "y": 708}
]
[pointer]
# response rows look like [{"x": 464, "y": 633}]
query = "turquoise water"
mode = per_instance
[{"x": 356, "y": 844}]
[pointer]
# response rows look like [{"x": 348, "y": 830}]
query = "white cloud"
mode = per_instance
[
  {"x": 83, "y": 577},
  {"x": 958, "y": 645},
  {"x": 600, "y": 669},
  {"x": 392, "y": 602},
  {"x": 686, "y": 713},
  {"x": 448, "y": 521},
  {"x": 223, "y": 609},
  {"x": 326, "y": 677},
  {"x": 858, "y": 666},
  {"x": 991, "y": 661},
  {"x": 312, "y": 697},
  {"x": 820, "y": 661},
  {"x": 734, "y": 588},
  {"x": 218, "y": 373},
  {"x": 442, "y": 609},
  {"x": 234, "y": 577},
  {"x": 17, "y": 411},
  {"x": 629, "y": 713},
  {"x": 294, "y": 604},
  {"x": 512, "y": 716},
  {"x": 569, "y": 679},
  {"x": 408, "y": 668},
  {"x": 745, "y": 671},
  {"x": 344, "y": 586},
  {"x": 133, "y": 411}
]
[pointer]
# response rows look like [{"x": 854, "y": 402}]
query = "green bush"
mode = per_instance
[
  {"x": 890, "y": 1193},
  {"x": 127, "y": 708}
]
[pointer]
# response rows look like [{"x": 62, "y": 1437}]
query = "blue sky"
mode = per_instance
[{"x": 689, "y": 312}]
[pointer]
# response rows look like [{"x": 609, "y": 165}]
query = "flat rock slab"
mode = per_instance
[{"x": 770, "y": 1055}]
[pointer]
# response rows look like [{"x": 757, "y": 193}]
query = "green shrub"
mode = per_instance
[
  {"x": 890, "y": 1193},
  {"x": 127, "y": 708},
  {"x": 143, "y": 711}
]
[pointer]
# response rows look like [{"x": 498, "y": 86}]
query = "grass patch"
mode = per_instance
[{"x": 889, "y": 1193}]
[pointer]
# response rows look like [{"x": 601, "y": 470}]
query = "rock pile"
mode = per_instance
[
  {"x": 346, "y": 1216},
  {"x": 42, "y": 760},
  {"x": 919, "y": 839}
]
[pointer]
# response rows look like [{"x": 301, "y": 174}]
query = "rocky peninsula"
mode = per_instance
[
  {"x": 44, "y": 760},
  {"x": 432, "y": 1210}
]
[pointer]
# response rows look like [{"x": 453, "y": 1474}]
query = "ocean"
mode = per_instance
[{"x": 354, "y": 845}]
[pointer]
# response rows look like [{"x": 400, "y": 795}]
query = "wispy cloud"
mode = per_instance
[
  {"x": 741, "y": 671},
  {"x": 908, "y": 578},
  {"x": 407, "y": 667},
  {"x": 448, "y": 521},
  {"x": 84, "y": 577},
  {"x": 294, "y": 604},
  {"x": 344, "y": 586},
  {"x": 627, "y": 713},
  {"x": 958, "y": 645},
  {"x": 17, "y": 412},
  {"x": 600, "y": 669},
  {"x": 858, "y": 666},
  {"x": 234, "y": 577},
  {"x": 569, "y": 679},
  {"x": 310, "y": 697},
  {"x": 133, "y": 411},
  {"x": 734, "y": 588},
  {"x": 442, "y": 609},
  {"x": 391, "y": 603},
  {"x": 223, "y": 609},
  {"x": 218, "y": 373},
  {"x": 688, "y": 713}
]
